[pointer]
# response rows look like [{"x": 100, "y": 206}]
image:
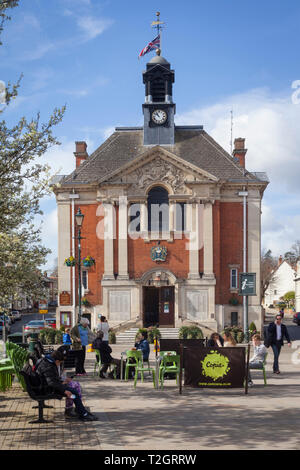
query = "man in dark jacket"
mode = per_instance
[
  {"x": 47, "y": 368},
  {"x": 276, "y": 333},
  {"x": 105, "y": 355}
]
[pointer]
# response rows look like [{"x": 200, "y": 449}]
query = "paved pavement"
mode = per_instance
[{"x": 148, "y": 419}]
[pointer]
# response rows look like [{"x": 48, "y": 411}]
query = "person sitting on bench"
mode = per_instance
[{"x": 48, "y": 370}]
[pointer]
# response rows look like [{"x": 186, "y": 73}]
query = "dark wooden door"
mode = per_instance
[
  {"x": 166, "y": 306},
  {"x": 151, "y": 306}
]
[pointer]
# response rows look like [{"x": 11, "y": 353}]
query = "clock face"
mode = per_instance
[{"x": 159, "y": 116}]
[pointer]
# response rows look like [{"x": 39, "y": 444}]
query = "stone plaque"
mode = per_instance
[
  {"x": 65, "y": 298},
  {"x": 119, "y": 305},
  {"x": 196, "y": 305}
]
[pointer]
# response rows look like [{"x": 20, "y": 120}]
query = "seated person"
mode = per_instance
[
  {"x": 259, "y": 354},
  {"x": 143, "y": 345},
  {"x": 105, "y": 354},
  {"x": 229, "y": 340},
  {"x": 48, "y": 369},
  {"x": 215, "y": 341}
]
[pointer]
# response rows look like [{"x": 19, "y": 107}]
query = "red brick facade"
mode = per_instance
[{"x": 227, "y": 250}]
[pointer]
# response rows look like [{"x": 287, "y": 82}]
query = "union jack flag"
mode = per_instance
[{"x": 155, "y": 44}]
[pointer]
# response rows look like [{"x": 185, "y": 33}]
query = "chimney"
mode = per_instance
[
  {"x": 239, "y": 150},
  {"x": 81, "y": 153}
]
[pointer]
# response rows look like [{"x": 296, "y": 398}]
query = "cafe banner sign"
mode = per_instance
[{"x": 215, "y": 368}]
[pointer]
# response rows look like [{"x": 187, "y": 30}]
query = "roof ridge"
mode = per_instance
[
  {"x": 220, "y": 149},
  {"x": 91, "y": 157}
]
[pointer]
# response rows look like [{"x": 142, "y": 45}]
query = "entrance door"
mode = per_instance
[
  {"x": 166, "y": 306},
  {"x": 151, "y": 306},
  {"x": 158, "y": 305}
]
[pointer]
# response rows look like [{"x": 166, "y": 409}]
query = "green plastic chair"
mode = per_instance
[
  {"x": 163, "y": 353},
  {"x": 19, "y": 357},
  {"x": 140, "y": 369},
  {"x": 6, "y": 377},
  {"x": 169, "y": 364},
  {"x": 138, "y": 360},
  {"x": 263, "y": 369}
]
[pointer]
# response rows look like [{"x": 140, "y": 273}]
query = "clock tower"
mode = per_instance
[{"x": 158, "y": 108}]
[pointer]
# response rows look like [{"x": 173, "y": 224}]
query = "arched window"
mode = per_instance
[{"x": 158, "y": 209}]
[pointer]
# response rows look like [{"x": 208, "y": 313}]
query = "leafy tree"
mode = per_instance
[
  {"x": 23, "y": 182},
  {"x": 289, "y": 298}
]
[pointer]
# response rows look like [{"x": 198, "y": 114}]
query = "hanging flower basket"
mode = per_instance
[
  {"x": 71, "y": 261},
  {"x": 85, "y": 302},
  {"x": 88, "y": 261}
]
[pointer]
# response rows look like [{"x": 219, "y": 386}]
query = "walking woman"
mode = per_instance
[{"x": 81, "y": 336}]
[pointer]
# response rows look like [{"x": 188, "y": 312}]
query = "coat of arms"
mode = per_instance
[{"x": 159, "y": 253}]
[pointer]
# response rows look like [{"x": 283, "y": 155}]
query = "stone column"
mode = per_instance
[
  {"x": 208, "y": 259},
  {"x": 254, "y": 245},
  {"x": 122, "y": 242},
  {"x": 109, "y": 233},
  {"x": 193, "y": 217},
  {"x": 144, "y": 219}
]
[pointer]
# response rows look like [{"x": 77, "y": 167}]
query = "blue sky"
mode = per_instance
[{"x": 226, "y": 55}]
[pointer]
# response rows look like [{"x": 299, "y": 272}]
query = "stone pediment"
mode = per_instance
[{"x": 159, "y": 166}]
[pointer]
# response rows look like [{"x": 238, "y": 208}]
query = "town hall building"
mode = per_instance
[{"x": 163, "y": 222}]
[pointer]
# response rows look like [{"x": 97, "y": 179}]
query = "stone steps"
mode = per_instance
[{"x": 128, "y": 336}]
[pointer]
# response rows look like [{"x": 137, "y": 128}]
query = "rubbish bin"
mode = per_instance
[{"x": 32, "y": 341}]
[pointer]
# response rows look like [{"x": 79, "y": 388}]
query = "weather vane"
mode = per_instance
[{"x": 159, "y": 26}]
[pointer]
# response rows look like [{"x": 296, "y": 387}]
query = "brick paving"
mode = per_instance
[{"x": 141, "y": 419}]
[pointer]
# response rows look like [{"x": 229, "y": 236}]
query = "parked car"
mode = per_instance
[
  {"x": 7, "y": 319},
  {"x": 16, "y": 314},
  {"x": 51, "y": 322},
  {"x": 52, "y": 303},
  {"x": 34, "y": 326},
  {"x": 296, "y": 318},
  {"x": 6, "y": 324},
  {"x": 11, "y": 317}
]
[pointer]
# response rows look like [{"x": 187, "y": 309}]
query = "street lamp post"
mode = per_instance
[
  {"x": 79, "y": 220},
  {"x": 244, "y": 195}
]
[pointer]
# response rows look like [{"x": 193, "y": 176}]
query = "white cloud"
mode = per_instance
[
  {"x": 49, "y": 236},
  {"x": 38, "y": 52},
  {"x": 270, "y": 124},
  {"x": 92, "y": 26},
  {"x": 108, "y": 131}
]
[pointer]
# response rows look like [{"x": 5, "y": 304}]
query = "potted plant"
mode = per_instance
[
  {"x": 71, "y": 261},
  {"x": 233, "y": 300},
  {"x": 252, "y": 329},
  {"x": 88, "y": 261},
  {"x": 190, "y": 332}
]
